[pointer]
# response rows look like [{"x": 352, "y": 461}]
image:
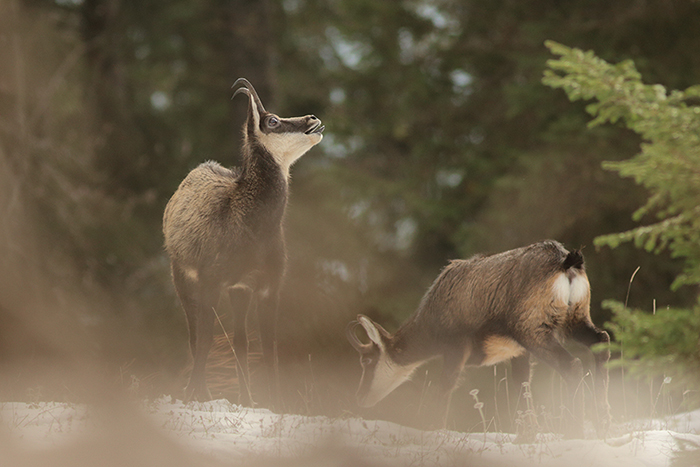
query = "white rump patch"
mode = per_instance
[
  {"x": 579, "y": 289},
  {"x": 562, "y": 288},
  {"x": 572, "y": 291}
]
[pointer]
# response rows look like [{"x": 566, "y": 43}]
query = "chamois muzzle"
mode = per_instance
[{"x": 316, "y": 126}]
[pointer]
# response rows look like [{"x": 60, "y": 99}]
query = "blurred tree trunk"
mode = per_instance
[
  {"x": 118, "y": 141},
  {"x": 252, "y": 48}
]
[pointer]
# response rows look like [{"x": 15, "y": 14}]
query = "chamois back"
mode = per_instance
[{"x": 500, "y": 290}]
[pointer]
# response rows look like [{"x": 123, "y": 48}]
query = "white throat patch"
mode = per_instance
[{"x": 286, "y": 148}]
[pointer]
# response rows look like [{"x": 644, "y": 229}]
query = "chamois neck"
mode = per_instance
[
  {"x": 262, "y": 173},
  {"x": 265, "y": 189},
  {"x": 411, "y": 344}
]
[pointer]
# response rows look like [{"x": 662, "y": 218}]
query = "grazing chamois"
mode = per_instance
[
  {"x": 223, "y": 231},
  {"x": 486, "y": 310}
]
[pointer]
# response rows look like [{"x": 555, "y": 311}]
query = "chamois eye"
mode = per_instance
[{"x": 273, "y": 122}]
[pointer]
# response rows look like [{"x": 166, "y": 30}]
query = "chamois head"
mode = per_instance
[
  {"x": 286, "y": 139},
  {"x": 381, "y": 374}
]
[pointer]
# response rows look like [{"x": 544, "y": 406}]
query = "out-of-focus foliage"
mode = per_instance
[
  {"x": 664, "y": 343},
  {"x": 669, "y": 168},
  {"x": 669, "y": 163}
]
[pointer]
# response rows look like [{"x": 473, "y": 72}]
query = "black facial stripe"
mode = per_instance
[{"x": 286, "y": 125}]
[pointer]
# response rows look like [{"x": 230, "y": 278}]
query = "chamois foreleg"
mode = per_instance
[
  {"x": 520, "y": 371},
  {"x": 205, "y": 335},
  {"x": 453, "y": 363},
  {"x": 198, "y": 302},
  {"x": 268, "y": 306},
  {"x": 242, "y": 300},
  {"x": 587, "y": 334},
  {"x": 570, "y": 368},
  {"x": 526, "y": 427}
]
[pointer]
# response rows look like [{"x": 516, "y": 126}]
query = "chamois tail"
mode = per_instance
[{"x": 574, "y": 260}]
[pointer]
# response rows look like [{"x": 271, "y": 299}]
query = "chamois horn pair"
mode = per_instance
[{"x": 248, "y": 89}]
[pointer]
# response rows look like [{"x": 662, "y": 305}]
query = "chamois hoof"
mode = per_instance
[
  {"x": 199, "y": 394},
  {"x": 602, "y": 426},
  {"x": 574, "y": 432},
  {"x": 525, "y": 437},
  {"x": 245, "y": 400}
]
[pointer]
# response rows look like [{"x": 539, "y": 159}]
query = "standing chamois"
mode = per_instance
[
  {"x": 486, "y": 310},
  {"x": 223, "y": 231}
]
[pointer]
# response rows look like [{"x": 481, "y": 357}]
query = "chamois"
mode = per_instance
[
  {"x": 486, "y": 310},
  {"x": 223, "y": 231}
]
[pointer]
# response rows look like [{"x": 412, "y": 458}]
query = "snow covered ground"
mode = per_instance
[{"x": 217, "y": 433}]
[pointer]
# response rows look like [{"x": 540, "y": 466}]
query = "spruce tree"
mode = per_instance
[{"x": 665, "y": 341}]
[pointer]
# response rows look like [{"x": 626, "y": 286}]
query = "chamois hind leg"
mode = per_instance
[
  {"x": 570, "y": 368},
  {"x": 520, "y": 375},
  {"x": 197, "y": 389},
  {"x": 587, "y": 334},
  {"x": 241, "y": 297},
  {"x": 183, "y": 288},
  {"x": 520, "y": 370},
  {"x": 198, "y": 302}
]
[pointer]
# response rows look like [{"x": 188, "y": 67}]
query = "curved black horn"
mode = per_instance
[
  {"x": 240, "y": 90},
  {"x": 242, "y": 81},
  {"x": 250, "y": 91},
  {"x": 352, "y": 337}
]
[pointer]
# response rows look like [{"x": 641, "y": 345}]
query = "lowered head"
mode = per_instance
[
  {"x": 286, "y": 139},
  {"x": 381, "y": 373}
]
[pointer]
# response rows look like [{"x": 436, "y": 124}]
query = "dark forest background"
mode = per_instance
[{"x": 440, "y": 142}]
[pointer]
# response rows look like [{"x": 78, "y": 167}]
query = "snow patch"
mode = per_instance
[{"x": 230, "y": 433}]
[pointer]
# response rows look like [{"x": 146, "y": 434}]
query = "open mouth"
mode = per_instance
[{"x": 317, "y": 128}]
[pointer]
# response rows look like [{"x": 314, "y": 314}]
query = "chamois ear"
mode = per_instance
[
  {"x": 374, "y": 331},
  {"x": 255, "y": 105},
  {"x": 253, "y": 112}
]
